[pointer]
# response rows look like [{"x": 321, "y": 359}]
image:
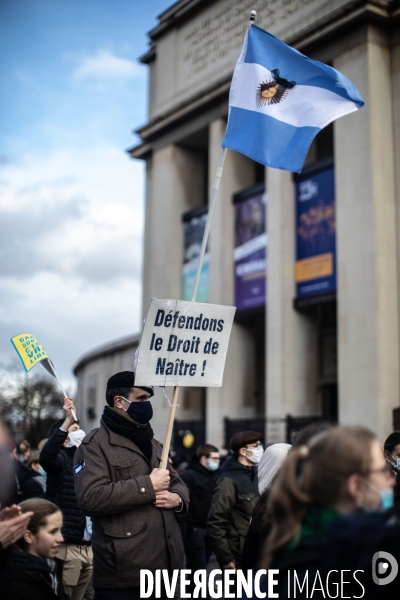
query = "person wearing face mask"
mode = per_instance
[
  {"x": 235, "y": 497},
  {"x": 392, "y": 454},
  {"x": 260, "y": 526},
  {"x": 328, "y": 508},
  {"x": 200, "y": 477},
  {"x": 33, "y": 479},
  {"x": 57, "y": 460},
  {"x": 133, "y": 503}
]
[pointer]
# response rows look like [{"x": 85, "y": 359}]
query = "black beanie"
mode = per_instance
[{"x": 126, "y": 379}]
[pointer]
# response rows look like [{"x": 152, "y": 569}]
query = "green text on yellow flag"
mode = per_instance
[{"x": 28, "y": 349}]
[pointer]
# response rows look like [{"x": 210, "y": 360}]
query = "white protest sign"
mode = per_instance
[{"x": 184, "y": 344}]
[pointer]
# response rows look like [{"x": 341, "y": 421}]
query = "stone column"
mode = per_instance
[
  {"x": 366, "y": 243},
  {"x": 395, "y": 74},
  {"x": 238, "y": 174},
  {"x": 174, "y": 185},
  {"x": 291, "y": 336}
]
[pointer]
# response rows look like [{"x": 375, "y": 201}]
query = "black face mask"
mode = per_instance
[{"x": 141, "y": 412}]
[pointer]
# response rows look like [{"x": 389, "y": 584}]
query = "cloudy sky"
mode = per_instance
[{"x": 71, "y": 200}]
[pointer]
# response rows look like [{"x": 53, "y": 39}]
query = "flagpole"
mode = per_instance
[
  {"x": 214, "y": 193},
  {"x": 61, "y": 386},
  {"x": 171, "y": 417},
  {"x": 208, "y": 223},
  {"x": 253, "y": 15}
]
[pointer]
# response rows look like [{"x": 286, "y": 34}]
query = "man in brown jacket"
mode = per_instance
[{"x": 133, "y": 503}]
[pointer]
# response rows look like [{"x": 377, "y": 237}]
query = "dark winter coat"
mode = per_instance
[
  {"x": 26, "y": 577},
  {"x": 257, "y": 535},
  {"x": 57, "y": 461},
  {"x": 235, "y": 497},
  {"x": 355, "y": 541},
  {"x": 8, "y": 479},
  {"x": 113, "y": 486},
  {"x": 344, "y": 548},
  {"x": 32, "y": 484},
  {"x": 201, "y": 483}
]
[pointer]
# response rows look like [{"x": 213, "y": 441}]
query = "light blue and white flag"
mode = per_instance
[{"x": 280, "y": 99}]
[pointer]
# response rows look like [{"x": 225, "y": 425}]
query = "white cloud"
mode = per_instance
[
  {"x": 71, "y": 252},
  {"x": 105, "y": 65},
  {"x": 68, "y": 317}
]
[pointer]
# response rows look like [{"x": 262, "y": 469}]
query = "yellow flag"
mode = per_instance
[{"x": 28, "y": 349}]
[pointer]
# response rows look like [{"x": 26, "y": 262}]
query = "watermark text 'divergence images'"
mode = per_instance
[{"x": 228, "y": 583}]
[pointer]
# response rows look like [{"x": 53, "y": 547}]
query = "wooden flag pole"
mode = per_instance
[
  {"x": 170, "y": 424},
  {"x": 214, "y": 192}
]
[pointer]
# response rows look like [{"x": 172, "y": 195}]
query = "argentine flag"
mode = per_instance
[{"x": 280, "y": 99}]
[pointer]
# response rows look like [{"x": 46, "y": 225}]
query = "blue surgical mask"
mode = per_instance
[
  {"x": 213, "y": 466},
  {"x": 41, "y": 471},
  {"x": 387, "y": 498},
  {"x": 141, "y": 412}
]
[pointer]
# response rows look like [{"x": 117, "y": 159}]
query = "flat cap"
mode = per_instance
[
  {"x": 126, "y": 379},
  {"x": 242, "y": 438}
]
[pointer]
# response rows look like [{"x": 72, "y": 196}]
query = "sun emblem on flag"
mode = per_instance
[{"x": 273, "y": 91}]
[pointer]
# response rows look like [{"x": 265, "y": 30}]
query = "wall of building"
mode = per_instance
[
  {"x": 367, "y": 245},
  {"x": 191, "y": 63}
]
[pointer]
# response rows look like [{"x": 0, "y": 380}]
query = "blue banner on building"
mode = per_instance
[
  {"x": 194, "y": 223},
  {"x": 315, "y": 234},
  {"x": 250, "y": 253}
]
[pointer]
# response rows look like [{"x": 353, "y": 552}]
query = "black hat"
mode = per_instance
[
  {"x": 242, "y": 438},
  {"x": 126, "y": 379}
]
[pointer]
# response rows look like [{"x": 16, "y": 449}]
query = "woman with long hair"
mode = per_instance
[
  {"x": 339, "y": 471},
  {"x": 28, "y": 575}
]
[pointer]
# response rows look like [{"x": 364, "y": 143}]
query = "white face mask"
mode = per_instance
[
  {"x": 75, "y": 438},
  {"x": 396, "y": 460},
  {"x": 256, "y": 454}
]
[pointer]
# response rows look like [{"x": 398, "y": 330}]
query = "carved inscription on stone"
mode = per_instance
[{"x": 218, "y": 35}]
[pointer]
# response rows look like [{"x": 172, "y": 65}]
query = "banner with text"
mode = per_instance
[
  {"x": 194, "y": 224},
  {"x": 184, "y": 343},
  {"x": 250, "y": 253},
  {"x": 316, "y": 234}
]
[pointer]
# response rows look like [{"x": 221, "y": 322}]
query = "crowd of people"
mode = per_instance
[{"x": 82, "y": 515}]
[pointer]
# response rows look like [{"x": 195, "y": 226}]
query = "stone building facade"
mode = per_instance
[
  {"x": 317, "y": 332},
  {"x": 93, "y": 371}
]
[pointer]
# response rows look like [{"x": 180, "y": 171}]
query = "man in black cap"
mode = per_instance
[
  {"x": 235, "y": 497},
  {"x": 133, "y": 503}
]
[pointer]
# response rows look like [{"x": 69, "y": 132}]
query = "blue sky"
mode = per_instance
[{"x": 71, "y": 200}]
